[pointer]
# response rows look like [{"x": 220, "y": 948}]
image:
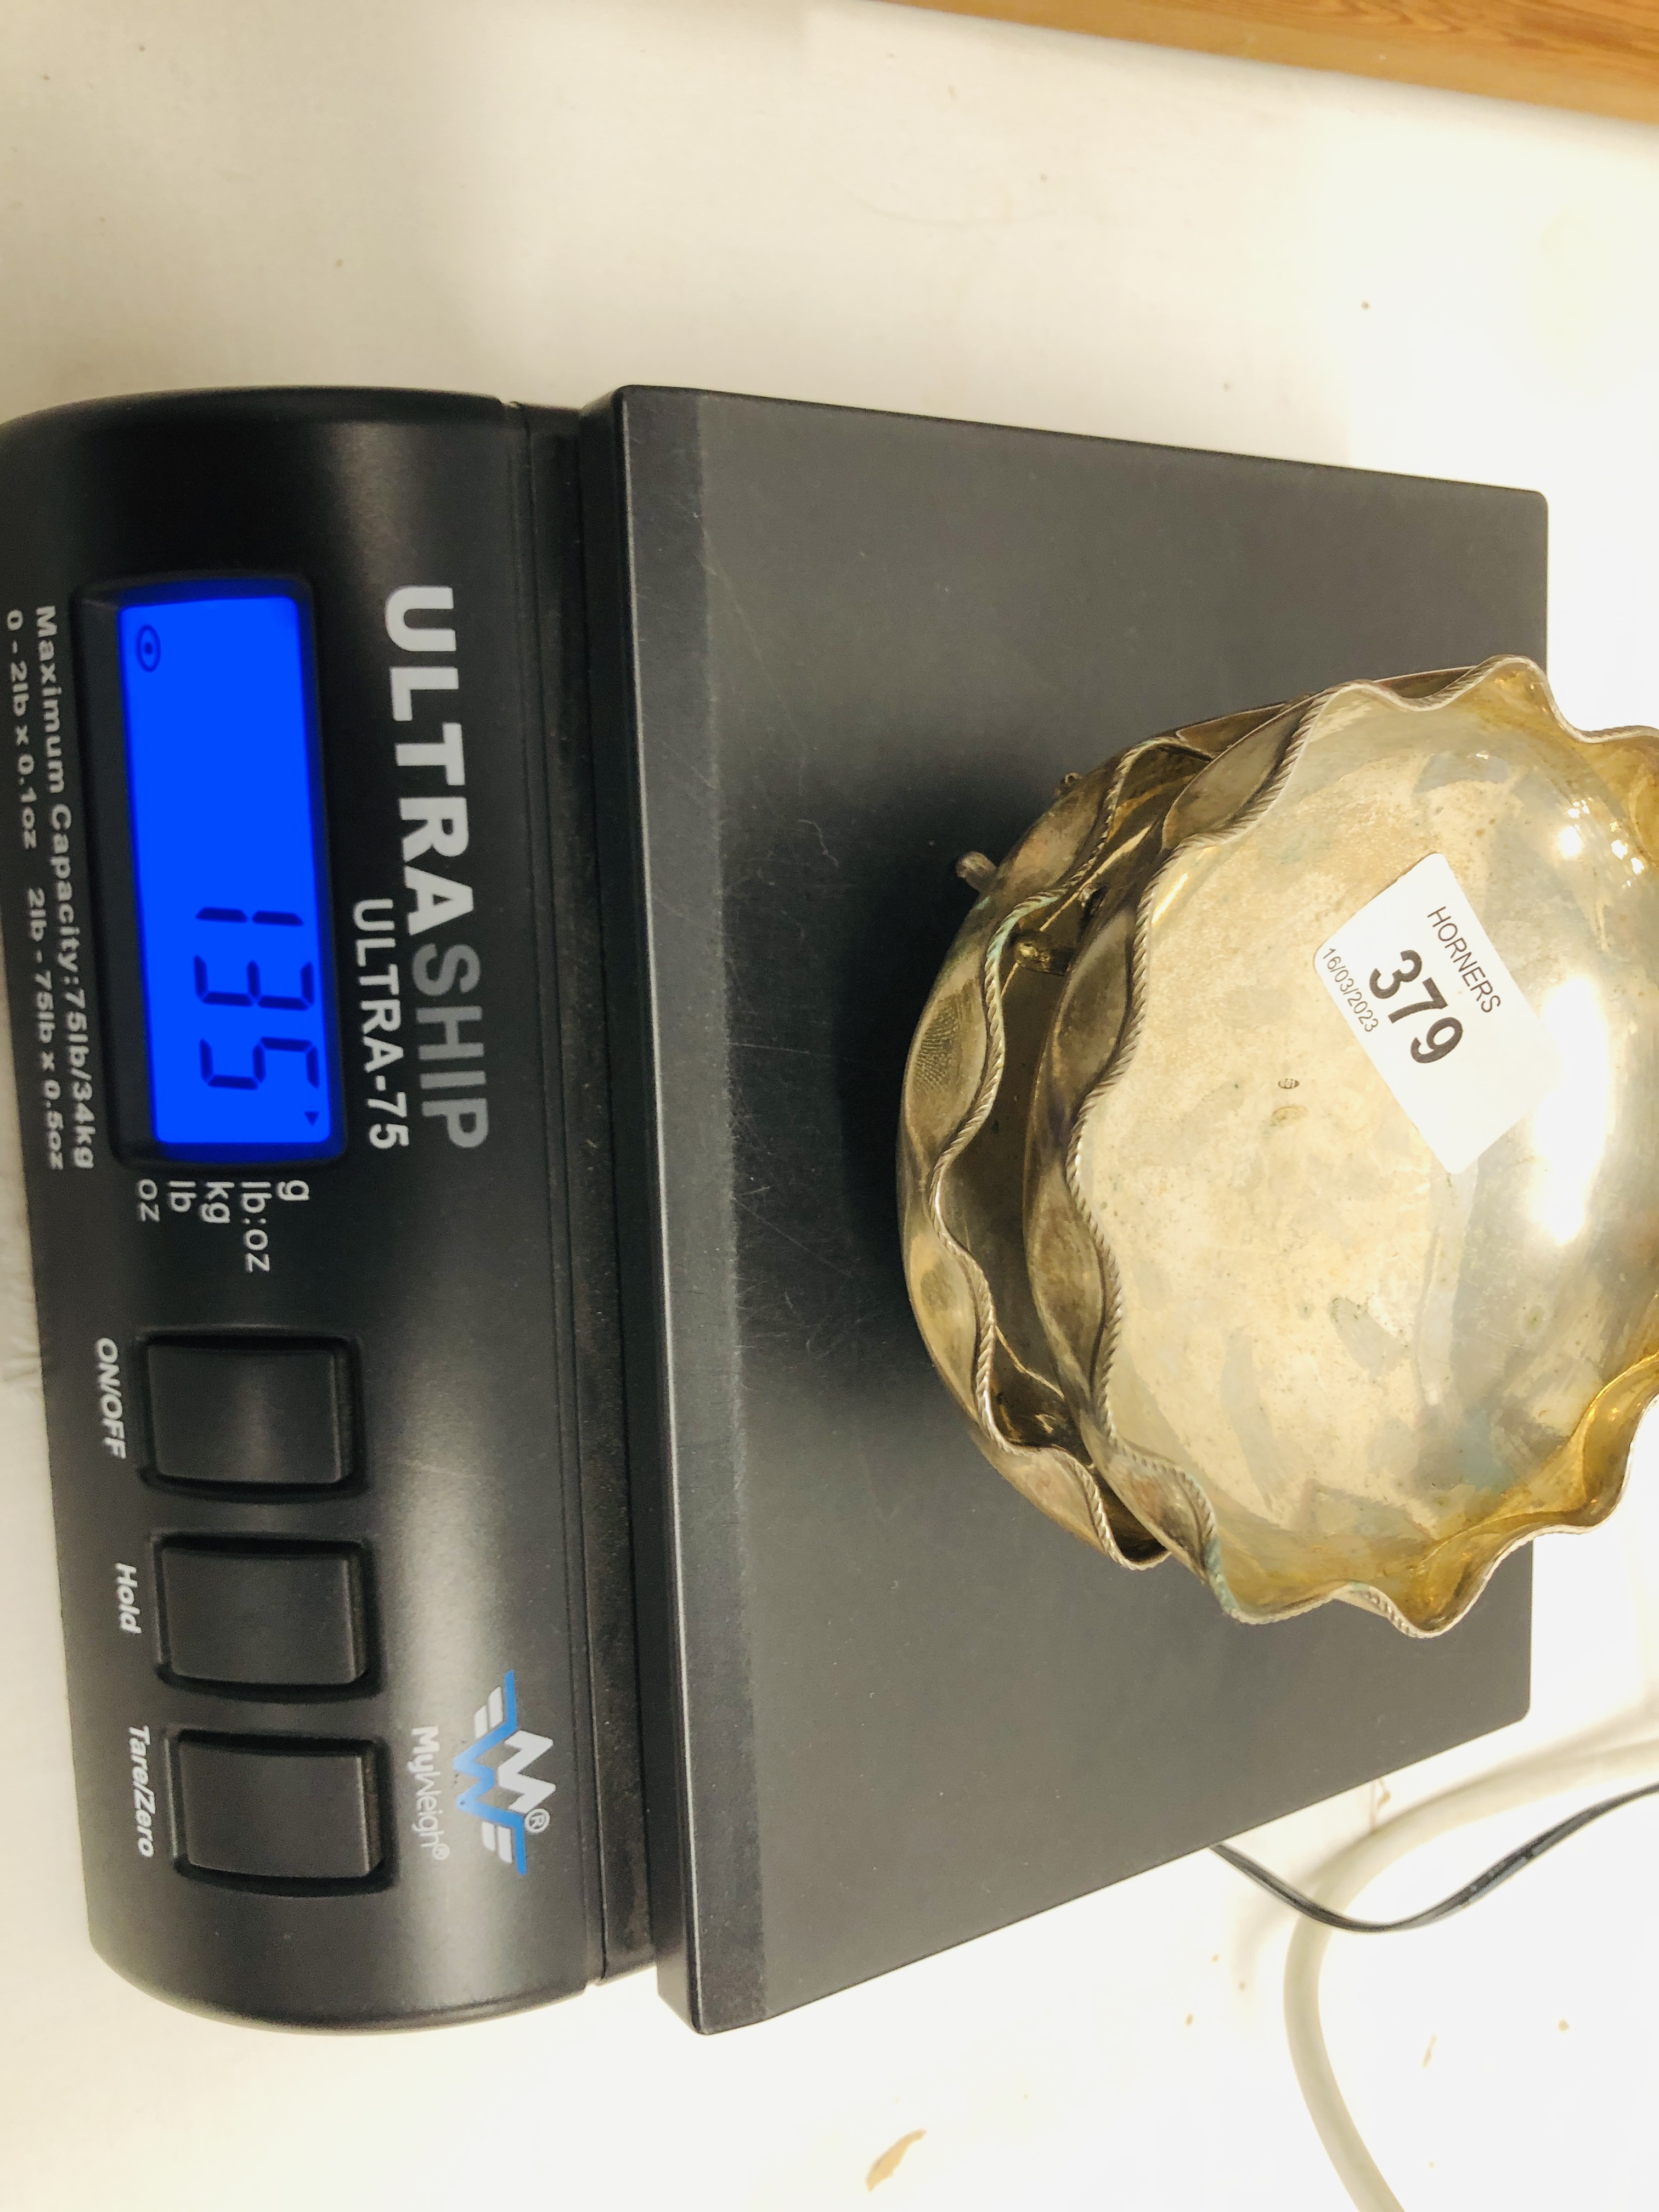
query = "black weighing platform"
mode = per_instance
[{"x": 739, "y": 680}]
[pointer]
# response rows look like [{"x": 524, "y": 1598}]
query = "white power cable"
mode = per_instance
[{"x": 1353, "y": 1870}]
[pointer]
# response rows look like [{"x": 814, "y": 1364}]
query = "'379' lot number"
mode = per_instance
[{"x": 1441, "y": 1037}]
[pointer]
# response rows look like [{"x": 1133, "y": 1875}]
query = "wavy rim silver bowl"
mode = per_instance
[{"x": 1089, "y": 874}]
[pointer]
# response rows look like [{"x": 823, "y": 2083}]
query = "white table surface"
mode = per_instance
[{"x": 843, "y": 200}]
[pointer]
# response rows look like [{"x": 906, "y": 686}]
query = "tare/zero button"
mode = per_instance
[{"x": 275, "y": 1810}]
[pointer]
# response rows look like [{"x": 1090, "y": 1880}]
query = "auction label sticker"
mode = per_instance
[{"x": 1442, "y": 1020}]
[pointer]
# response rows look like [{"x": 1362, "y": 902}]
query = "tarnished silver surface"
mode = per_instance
[{"x": 1190, "y": 1268}]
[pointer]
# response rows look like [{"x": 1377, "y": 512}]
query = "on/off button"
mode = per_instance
[{"x": 259, "y": 1414}]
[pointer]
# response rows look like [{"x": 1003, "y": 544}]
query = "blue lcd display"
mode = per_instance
[{"x": 224, "y": 799}]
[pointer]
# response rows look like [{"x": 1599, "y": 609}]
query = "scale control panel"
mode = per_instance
[{"x": 290, "y": 846}]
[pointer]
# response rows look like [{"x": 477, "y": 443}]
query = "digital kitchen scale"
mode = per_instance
[{"x": 469, "y": 876}]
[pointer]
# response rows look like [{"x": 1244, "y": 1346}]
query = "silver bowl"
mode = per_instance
[{"x": 1225, "y": 1242}]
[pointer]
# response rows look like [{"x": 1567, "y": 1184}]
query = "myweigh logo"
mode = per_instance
[{"x": 504, "y": 1825}]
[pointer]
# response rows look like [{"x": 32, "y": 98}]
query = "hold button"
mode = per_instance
[
  {"x": 278, "y": 1812},
  {"x": 286, "y": 1616}
]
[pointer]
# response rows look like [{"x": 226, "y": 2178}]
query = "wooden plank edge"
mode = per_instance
[{"x": 1539, "y": 54}]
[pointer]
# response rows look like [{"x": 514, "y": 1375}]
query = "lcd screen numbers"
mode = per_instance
[{"x": 224, "y": 799}]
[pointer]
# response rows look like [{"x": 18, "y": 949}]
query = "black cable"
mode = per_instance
[{"x": 1472, "y": 1892}]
